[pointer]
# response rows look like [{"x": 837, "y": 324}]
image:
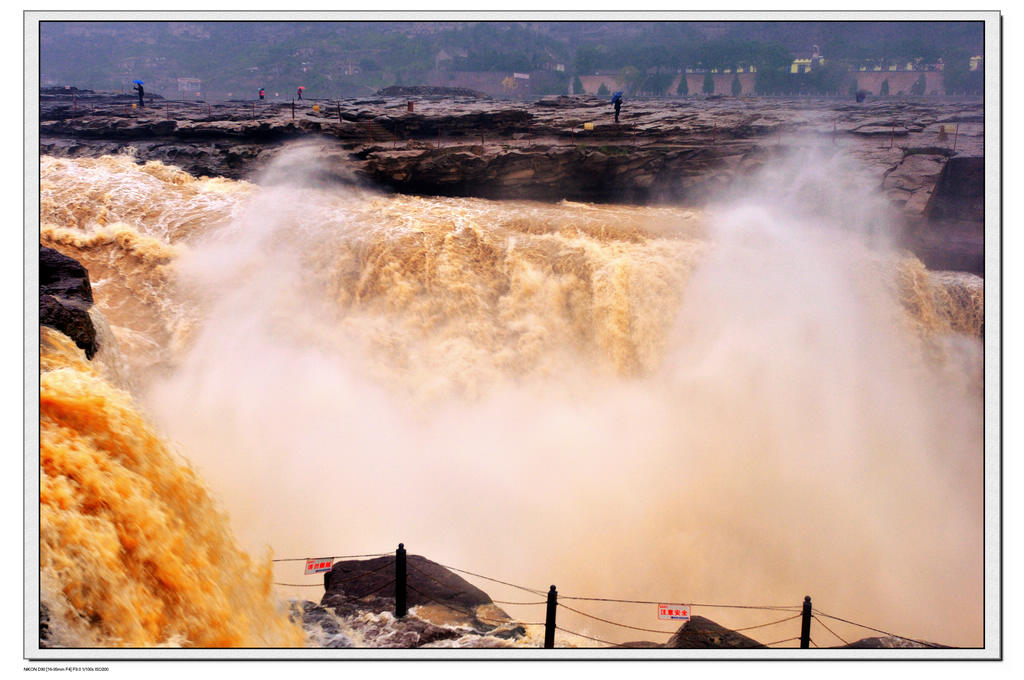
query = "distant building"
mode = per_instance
[{"x": 805, "y": 62}]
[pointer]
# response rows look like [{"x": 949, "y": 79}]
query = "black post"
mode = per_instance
[
  {"x": 805, "y": 624},
  {"x": 549, "y": 620},
  {"x": 400, "y": 607}
]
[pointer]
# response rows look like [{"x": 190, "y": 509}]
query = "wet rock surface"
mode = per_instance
[
  {"x": 442, "y": 606},
  {"x": 702, "y": 633},
  {"x": 65, "y": 297},
  {"x": 429, "y": 91},
  {"x": 889, "y": 642}
]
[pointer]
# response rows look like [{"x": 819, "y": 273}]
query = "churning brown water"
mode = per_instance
[{"x": 740, "y": 405}]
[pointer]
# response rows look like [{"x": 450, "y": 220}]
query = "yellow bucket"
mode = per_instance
[
  {"x": 316, "y": 108},
  {"x": 134, "y": 105},
  {"x": 588, "y": 126}
]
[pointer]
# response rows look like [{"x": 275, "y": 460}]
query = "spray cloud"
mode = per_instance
[{"x": 731, "y": 406}]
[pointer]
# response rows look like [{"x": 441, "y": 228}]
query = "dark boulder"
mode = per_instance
[
  {"x": 63, "y": 277},
  {"x": 428, "y": 582},
  {"x": 701, "y": 633},
  {"x": 888, "y": 642},
  {"x": 65, "y": 297},
  {"x": 441, "y": 596}
]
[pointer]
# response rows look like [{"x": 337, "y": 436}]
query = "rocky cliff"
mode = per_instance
[
  {"x": 65, "y": 296},
  {"x": 668, "y": 150}
]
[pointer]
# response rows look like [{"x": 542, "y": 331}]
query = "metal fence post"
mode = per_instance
[
  {"x": 549, "y": 620},
  {"x": 400, "y": 606},
  {"x": 805, "y": 623}
]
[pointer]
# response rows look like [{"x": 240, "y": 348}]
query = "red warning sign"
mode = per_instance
[
  {"x": 318, "y": 565},
  {"x": 674, "y": 612}
]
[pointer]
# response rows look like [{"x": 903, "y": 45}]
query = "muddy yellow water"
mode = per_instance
[{"x": 662, "y": 402}]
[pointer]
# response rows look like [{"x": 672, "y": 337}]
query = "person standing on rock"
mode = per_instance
[
  {"x": 300, "y": 92},
  {"x": 138, "y": 86},
  {"x": 617, "y": 102},
  {"x": 262, "y": 93}
]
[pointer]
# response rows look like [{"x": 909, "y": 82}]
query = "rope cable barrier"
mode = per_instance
[
  {"x": 423, "y": 573},
  {"x": 829, "y": 629},
  {"x": 622, "y": 625},
  {"x": 877, "y": 630},
  {"x": 764, "y": 625},
  {"x": 561, "y": 598},
  {"x": 505, "y": 583},
  {"x": 604, "y": 642},
  {"x": 783, "y": 608},
  {"x": 779, "y": 642},
  {"x": 356, "y": 577},
  {"x": 372, "y": 592},
  {"x": 332, "y": 557},
  {"x": 485, "y": 619}
]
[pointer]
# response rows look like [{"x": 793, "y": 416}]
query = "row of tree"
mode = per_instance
[{"x": 239, "y": 56}]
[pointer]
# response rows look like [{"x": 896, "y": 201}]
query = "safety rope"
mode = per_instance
[
  {"x": 504, "y": 583},
  {"x": 356, "y": 577},
  {"x": 854, "y": 623},
  {"x": 622, "y": 625},
  {"x": 470, "y": 614},
  {"x": 605, "y": 642},
  {"x": 425, "y": 574},
  {"x": 779, "y": 642},
  {"x": 764, "y": 625},
  {"x": 785, "y": 608},
  {"x": 379, "y": 588},
  {"x": 829, "y": 629},
  {"x": 334, "y": 557},
  {"x": 562, "y": 598}
]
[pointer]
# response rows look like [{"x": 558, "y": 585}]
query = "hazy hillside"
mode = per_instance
[{"x": 234, "y": 59}]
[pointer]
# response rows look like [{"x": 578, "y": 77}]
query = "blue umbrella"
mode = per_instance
[
  {"x": 138, "y": 82},
  {"x": 617, "y": 96}
]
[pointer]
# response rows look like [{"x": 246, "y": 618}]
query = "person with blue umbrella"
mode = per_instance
[
  {"x": 617, "y": 102},
  {"x": 138, "y": 86}
]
